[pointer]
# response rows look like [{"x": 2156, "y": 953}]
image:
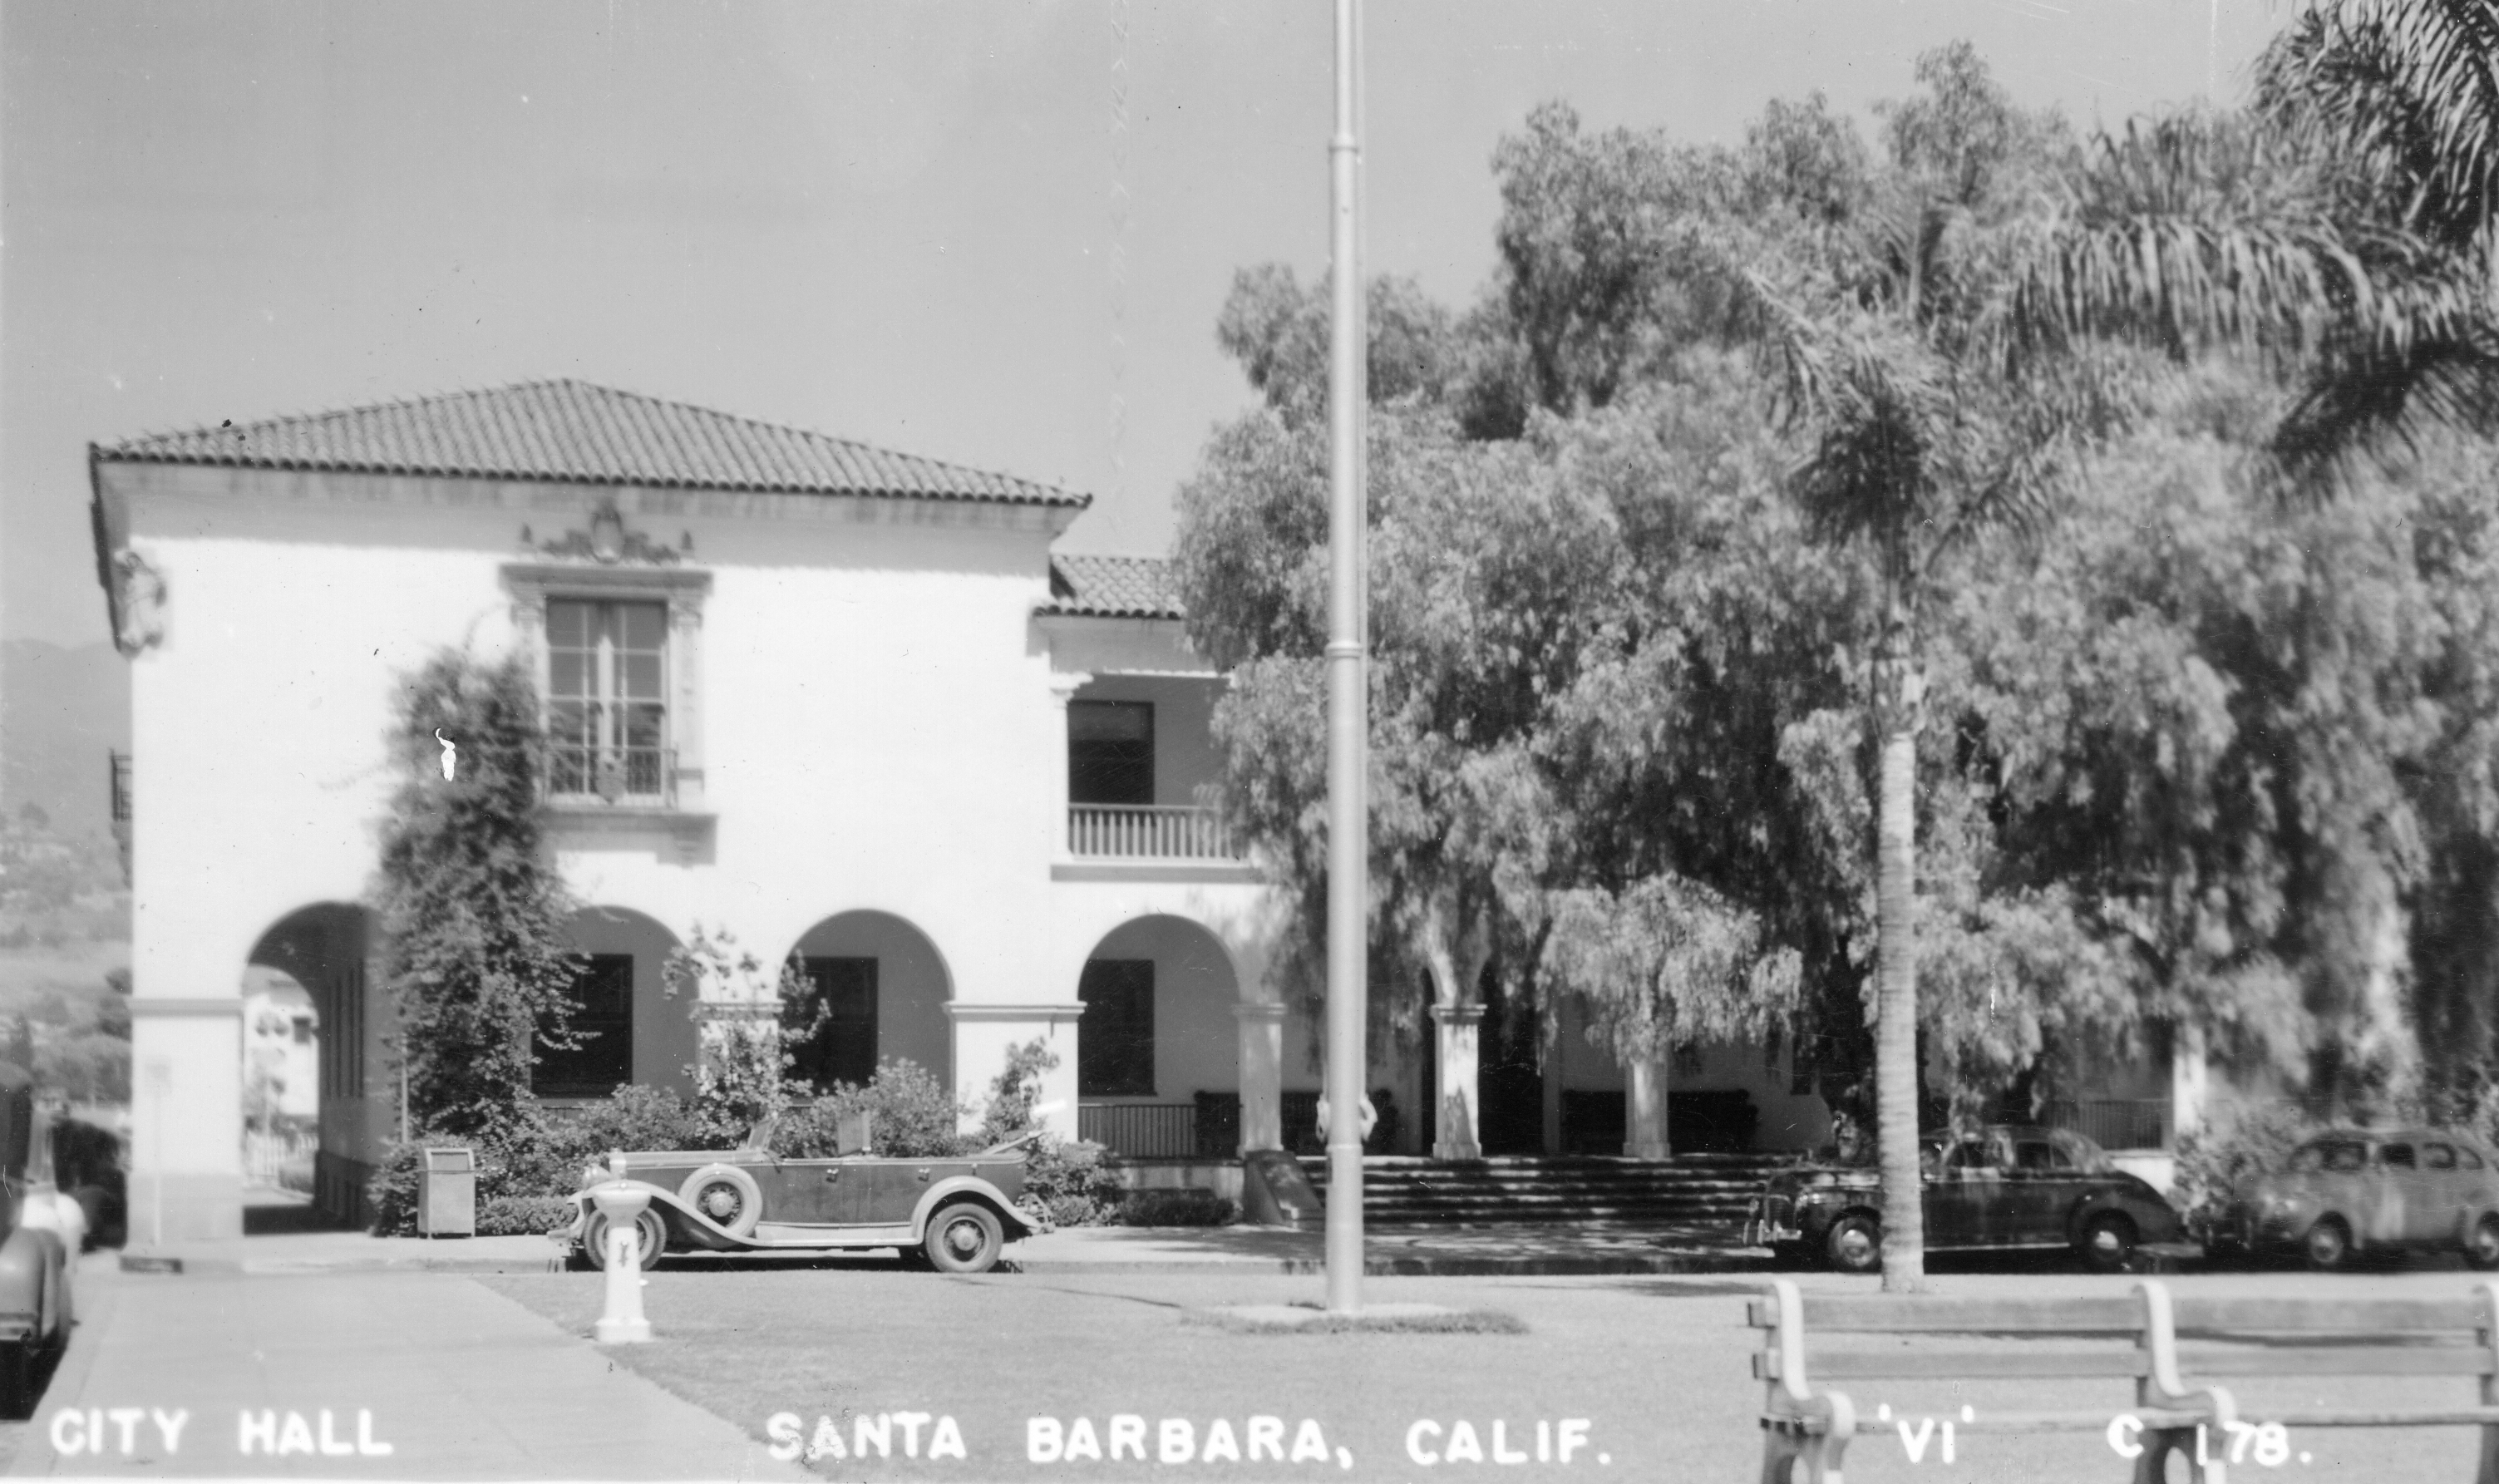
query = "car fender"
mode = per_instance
[
  {"x": 972, "y": 1185},
  {"x": 683, "y": 1220},
  {"x": 29, "y": 1260}
]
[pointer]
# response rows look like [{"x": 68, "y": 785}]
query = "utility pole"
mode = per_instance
[{"x": 1348, "y": 850}]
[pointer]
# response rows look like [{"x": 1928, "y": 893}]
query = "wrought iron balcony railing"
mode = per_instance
[
  {"x": 1148, "y": 831},
  {"x": 580, "y": 775}
]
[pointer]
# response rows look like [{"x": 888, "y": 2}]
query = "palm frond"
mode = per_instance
[{"x": 2404, "y": 96}]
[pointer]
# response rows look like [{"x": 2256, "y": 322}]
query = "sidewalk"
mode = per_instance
[
  {"x": 324, "y": 1370},
  {"x": 1481, "y": 1251}
]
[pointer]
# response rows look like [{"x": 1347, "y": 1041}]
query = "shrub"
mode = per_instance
[
  {"x": 1192, "y": 1206},
  {"x": 1069, "y": 1183},
  {"x": 1014, "y": 1091},
  {"x": 523, "y": 1216},
  {"x": 911, "y": 1115},
  {"x": 2210, "y": 1165}
]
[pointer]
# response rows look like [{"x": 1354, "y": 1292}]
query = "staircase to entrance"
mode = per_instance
[{"x": 1698, "y": 1193}]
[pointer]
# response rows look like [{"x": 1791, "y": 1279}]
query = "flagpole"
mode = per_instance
[{"x": 1349, "y": 863}]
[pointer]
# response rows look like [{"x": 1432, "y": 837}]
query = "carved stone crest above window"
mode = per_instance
[{"x": 610, "y": 542}]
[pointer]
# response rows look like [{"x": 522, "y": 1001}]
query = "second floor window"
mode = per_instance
[
  {"x": 606, "y": 688},
  {"x": 1110, "y": 753}
]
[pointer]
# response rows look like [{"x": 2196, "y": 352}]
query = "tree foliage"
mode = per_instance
[{"x": 476, "y": 957}]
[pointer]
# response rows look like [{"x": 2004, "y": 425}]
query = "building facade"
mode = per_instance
[{"x": 840, "y": 705}]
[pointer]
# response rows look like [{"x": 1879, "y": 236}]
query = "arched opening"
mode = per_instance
[
  {"x": 631, "y": 1029},
  {"x": 313, "y": 1124},
  {"x": 1159, "y": 1046},
  {"x": 877, "y": 990}
]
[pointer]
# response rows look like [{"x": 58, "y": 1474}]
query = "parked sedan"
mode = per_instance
[
  {"x": 955, "y": 1213},
  {"x": 2353, "y": 1191},
  {"x": 2003, "y": 1188}
]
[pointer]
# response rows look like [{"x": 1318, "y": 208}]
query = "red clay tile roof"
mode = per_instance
[
  {"x": 1113, "y": 587},
  {"x": 574, "y": 431}
]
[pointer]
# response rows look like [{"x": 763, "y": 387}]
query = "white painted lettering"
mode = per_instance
[
  {"x": 366, "y": 1443},
  {"x": 1128, "y": 1431},
  {"x": 1914, "y": 1444},
  {"x": 169, "y": 1430},
  {"x": 1502, "y": 1451},
  {"x": 947, "y": 1441},
  {"x": 880, "y": 1430},
  {"x": 334, "y": 1448},
  {"x": 1948, "y": 1440},
  {"x": 1310, "y": 1446},
  {"x": 1267, "y": 1439},
  {"x": 127, "y": 1419},
  {"x": 1463, "y": 1447},
  {"x": 1543, "y": 1441},
  {"x": 1044, "y": 1439},
  {"x": 69, "y": 1431},
  {"x": 1573, "y": 1435},
  {"x": 911, "y": 1423},
  {"x": 295, "y": 1436},
  {"x": 1081, "y": 1442},
  {"x": 1220, "y": 1443},
  {"x": 827, "y": 1441},
  {"x": 257, "y": 1428},
  {"x": 782, "y": 1429},
  {"x": 1176, "y": 1441},
  {"x": 1415, "y": 1443}
]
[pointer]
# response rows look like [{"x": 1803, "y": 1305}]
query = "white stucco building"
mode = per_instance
[{"x": 839, "y": 703}]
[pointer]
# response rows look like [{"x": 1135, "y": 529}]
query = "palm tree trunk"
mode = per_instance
[{"x": 1895, "y": 1026}]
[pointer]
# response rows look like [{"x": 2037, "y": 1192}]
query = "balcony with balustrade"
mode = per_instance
[{"x": 626, "y": 797}]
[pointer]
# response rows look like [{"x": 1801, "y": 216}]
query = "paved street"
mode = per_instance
[{"x": 491, "y": 1375}]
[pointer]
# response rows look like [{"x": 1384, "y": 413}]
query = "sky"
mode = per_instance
[{"x": 928, "y": 226}]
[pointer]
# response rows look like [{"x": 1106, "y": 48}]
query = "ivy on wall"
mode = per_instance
[{"x": 476, "y": 960}]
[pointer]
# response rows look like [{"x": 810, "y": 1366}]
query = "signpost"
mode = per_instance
[{"x": 1349, "y": 863}]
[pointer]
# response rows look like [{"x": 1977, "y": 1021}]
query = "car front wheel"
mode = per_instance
[
  {"x": 1855, "y": 1245},
  {"x": 2481, "y": 1248},
  {"x": 964, "y": 1238},
  {"x": 2327, "y": 1246}
]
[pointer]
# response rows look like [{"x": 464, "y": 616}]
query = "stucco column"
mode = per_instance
[
  {"x": 1644, "y": 1107},
  {"x": 185, "y": 1119},
  {"x": 1556, "y": 1066},
  {"x": 984, "y": 1034},
  {"x": 2188, "y": 1083},
  {"x": 1262, "y": 1076},
  {"x": 1454, "y": 1126},
  {"x": 1063, "y": 686}
]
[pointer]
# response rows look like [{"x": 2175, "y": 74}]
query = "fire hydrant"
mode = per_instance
[{"x": 622, "y": 1203}]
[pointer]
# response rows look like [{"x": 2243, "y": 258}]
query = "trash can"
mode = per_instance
[{"x": 447, "y": 1204}]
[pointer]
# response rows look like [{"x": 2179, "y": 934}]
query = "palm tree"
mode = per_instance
[{"x": 1948, "y": 358}]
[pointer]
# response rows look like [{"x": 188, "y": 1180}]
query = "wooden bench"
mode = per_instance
[{"x": 2134, "y": 1336}]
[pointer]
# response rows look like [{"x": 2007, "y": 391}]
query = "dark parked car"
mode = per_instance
[
  {"x": 958, "y": 1213},
  {"x": 2351, "y": 1192},
  {"x": 2003, "y": 1188}
]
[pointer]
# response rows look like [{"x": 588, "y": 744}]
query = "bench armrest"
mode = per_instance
[{"x": 2162, "y": 1385}]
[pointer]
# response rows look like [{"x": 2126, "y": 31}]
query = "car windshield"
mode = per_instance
[{"x": 2340, "y": 1155}]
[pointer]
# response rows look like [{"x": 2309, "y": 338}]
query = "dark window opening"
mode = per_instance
[
  {"x": 602, "y": 1021},
  {"x": 1114, "y": 1042},
  {"x": 1110, "y": 753},
  {"x": 834, "y": 1037}
]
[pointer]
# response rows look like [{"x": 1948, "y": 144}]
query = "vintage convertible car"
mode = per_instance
[
  {"x": 955, "y": 1213},
  {"x": 39, "y": 1232},
  {"x": 2005, "y": 1188},
  {"x": 2377, "y": 1192}
]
